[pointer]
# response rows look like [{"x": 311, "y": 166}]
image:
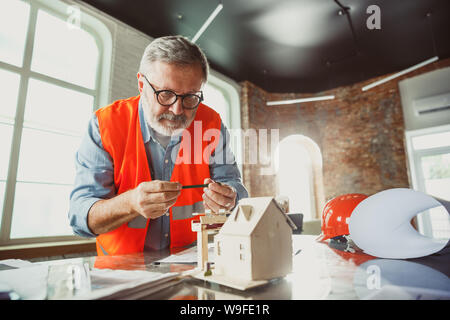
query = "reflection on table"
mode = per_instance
[{"x": 319, "y": 272}]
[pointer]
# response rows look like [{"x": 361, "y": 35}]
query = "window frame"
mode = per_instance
[
  {"x": 231, "y": 92},
  {"x": 416, "y": 174},
  {"x": 103, "y": 38}
]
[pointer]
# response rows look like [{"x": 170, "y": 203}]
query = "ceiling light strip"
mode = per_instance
[
  {"x": 207, "y": 22},
  {"x": 398, "y": 74},
  {"x": 272, "y": 103}
]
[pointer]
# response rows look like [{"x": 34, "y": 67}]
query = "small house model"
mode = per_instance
[{"x": 255, "y": 242}]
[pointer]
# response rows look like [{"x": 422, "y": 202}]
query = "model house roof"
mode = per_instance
[{"x": 249, "y": 212}]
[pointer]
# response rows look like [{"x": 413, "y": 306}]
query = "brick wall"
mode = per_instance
[{"x": 360, "y": 134}]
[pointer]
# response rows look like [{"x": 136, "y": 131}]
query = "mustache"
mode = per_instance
[{"x": 173, "y": 117}]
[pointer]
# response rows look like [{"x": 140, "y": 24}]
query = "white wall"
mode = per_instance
[
  {"x": 128, "y": 47},
  {"x": 425, "y": 85}
]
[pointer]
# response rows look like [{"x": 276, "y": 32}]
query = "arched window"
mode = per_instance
[
  {"x": 299, "y": 175},
  {"x": 52, "y": 65}
]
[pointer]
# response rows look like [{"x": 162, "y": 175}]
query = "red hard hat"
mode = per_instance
[{"x": 336, "y": 213}]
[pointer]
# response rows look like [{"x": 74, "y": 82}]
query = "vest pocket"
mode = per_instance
[
  {"x": 185, "y": 212},
  {"x": 139, "y": 222}
]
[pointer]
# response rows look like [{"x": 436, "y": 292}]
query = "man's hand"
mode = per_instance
[
  {"x": 218, "y": 196},
  {"x": 154, "y": 198}
]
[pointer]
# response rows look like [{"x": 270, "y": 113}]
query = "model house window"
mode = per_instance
[
  {"x": 429, "y": 159},
  {"x": 218, "y": 248},
  {"x": 49, "y": 71},
  {"x": 299, "y": 175}
]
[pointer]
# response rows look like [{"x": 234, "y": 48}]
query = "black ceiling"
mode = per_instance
[{"x": 298, "y": 45}]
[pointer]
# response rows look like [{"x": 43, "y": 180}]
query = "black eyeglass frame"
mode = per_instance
[{"x": 182, "y": 96}]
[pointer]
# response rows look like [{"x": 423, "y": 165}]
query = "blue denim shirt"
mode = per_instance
[{"x": 95, "y": 176}]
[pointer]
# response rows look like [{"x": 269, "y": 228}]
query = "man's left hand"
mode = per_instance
[{"x": 218, "y": 196}]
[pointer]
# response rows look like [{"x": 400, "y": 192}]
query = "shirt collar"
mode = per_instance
[
  {"x": 144, "y": 126},
  {"x": 148, "y": 132}
]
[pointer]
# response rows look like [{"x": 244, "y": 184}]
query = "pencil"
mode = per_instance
[{"x": 195, "y": 186}]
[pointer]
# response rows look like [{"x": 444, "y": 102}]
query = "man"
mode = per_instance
[{"x": 139, "y": 152}]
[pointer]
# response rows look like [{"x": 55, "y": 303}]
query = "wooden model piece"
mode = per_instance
[{"x": 208, "y": 223}]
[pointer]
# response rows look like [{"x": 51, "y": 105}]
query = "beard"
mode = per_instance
[
  {"x": 175, "y": 126},
  {"x": 177, "y": 123}
]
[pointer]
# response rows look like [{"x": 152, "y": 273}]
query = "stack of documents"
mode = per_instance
[
  {"x": 126, "y": 284},
  {"x": 36, "y": 281}
]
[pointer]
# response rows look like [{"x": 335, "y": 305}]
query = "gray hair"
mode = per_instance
[{"x": 177, "y": 50}]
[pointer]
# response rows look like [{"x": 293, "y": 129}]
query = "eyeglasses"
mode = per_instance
[{"x": 168, "y": 97}]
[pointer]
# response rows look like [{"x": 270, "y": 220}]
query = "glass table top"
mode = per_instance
[{"x": 318, "y": 272}]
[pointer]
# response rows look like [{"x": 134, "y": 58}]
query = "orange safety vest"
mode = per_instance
[{"x": 121, "y": 137}]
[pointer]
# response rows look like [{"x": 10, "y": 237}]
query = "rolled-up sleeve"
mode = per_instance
[
  {"x": 94, "y": 179},
  {"x": 223, "y": 167}
]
